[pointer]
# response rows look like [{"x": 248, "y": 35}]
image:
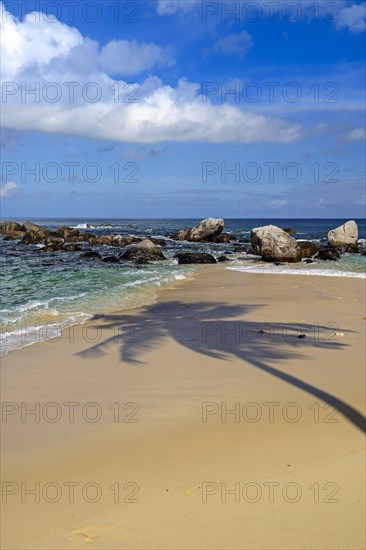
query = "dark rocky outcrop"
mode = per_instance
[
  {"x": 182, "y": 235},
  {"x": 110, "y": 259},
  {"x": 9, "y": 226},
  {"x": 69, "y": 239},
  {"x": 119, "y": 240},
  {"x": 33, "y": 237},
  {"x": 95, "y": 240},
  {"x": 329, "y": 254},
  {"x": 90, "y": 255},
  {"x": 124, "y": 240},
  {"x": 160, "y": 242},
  {"x": 53, "y": 247},
  {"x": 29, "y": 226},
  {"x": 81, "y": 237},
  {"x": 31, "y": 233},
  {"x": 54, "y": 241},
  {"x": 194, "y": 258},
  {"x": 67, "y": 232},
  {"x": 72, "y": 247},
  {"x": 350, "y": 248},
  {"x": 35, "y": 234},
  {"x": 308, "y": 248},
  {"x": 14, "y": 236},
  {"x": 142, "y": 252},
  {"x": 244, "y": 240},
  {"x": 131, "y": 239},
  {"x": 290, "y": 230},
  {"x": 224, "y": 238}
]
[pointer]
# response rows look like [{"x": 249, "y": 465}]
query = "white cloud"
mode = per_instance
[
  {"x": 168, "y": 7},
  {"x": 33, "y": 42},
  {"x": 341, "y": 13},
  {"x": 358, "y": 134},
  {"x": 165, "y": 115},
  {"x": 8, "y": 189},
  {"x": 130, "y": 57},
  {"x": 40, "y": 45},
  {"x": 148, "y": 113},
  {"x": 277, "y": 203},
  {"x": 352, "y": 18},
  {"x": 235, "y": 44}
]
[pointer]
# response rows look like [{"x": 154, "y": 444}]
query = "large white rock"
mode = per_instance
[
  {"x": 343, "y": 235},
  {"x": 274, "y": 244},
  {"x": 207, "y": 229}
]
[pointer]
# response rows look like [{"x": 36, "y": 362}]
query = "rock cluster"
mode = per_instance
[
  {"x": 71, "y": 240},
  {"x": 272, "y": 243}
]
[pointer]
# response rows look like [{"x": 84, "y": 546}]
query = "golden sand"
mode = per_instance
[{"x": 200, "y": 421}]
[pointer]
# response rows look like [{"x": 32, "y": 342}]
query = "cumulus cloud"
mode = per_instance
[
  {"x": 33, "y": 42},
  {"x": 234, "y": 44},
  {"x": 98, "y": 106},
  {"x": 357, "y": 134},
  {"x": 162, "y": 116},
  {"x": 352, "y": 18},
  {"x": 41, "y": 44},
  {"x": 8, "y": 189}
]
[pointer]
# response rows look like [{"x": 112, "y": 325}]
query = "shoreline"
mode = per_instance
[
  {"x": 155, "y": 290},
  {"x": 67, "y": 276},
  {"x": 221, "y": 339}
]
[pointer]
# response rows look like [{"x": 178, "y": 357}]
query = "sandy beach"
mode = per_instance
[
  {"x": 228, "y": 414},
  {"x": 183, "y": 275}
]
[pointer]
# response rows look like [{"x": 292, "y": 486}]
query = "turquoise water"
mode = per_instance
[{"x": 43, "y": 293}]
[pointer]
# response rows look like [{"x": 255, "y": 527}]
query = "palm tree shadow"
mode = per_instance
[{"x": 218, "y": 330}]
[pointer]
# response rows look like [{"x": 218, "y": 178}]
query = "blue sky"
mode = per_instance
[{"x": 175, "y": 108}]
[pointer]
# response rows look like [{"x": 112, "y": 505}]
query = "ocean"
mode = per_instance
[{"x": 43, "y": 293}]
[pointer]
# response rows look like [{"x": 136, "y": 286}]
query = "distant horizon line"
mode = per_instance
[{"x": 4, "y": 218}]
